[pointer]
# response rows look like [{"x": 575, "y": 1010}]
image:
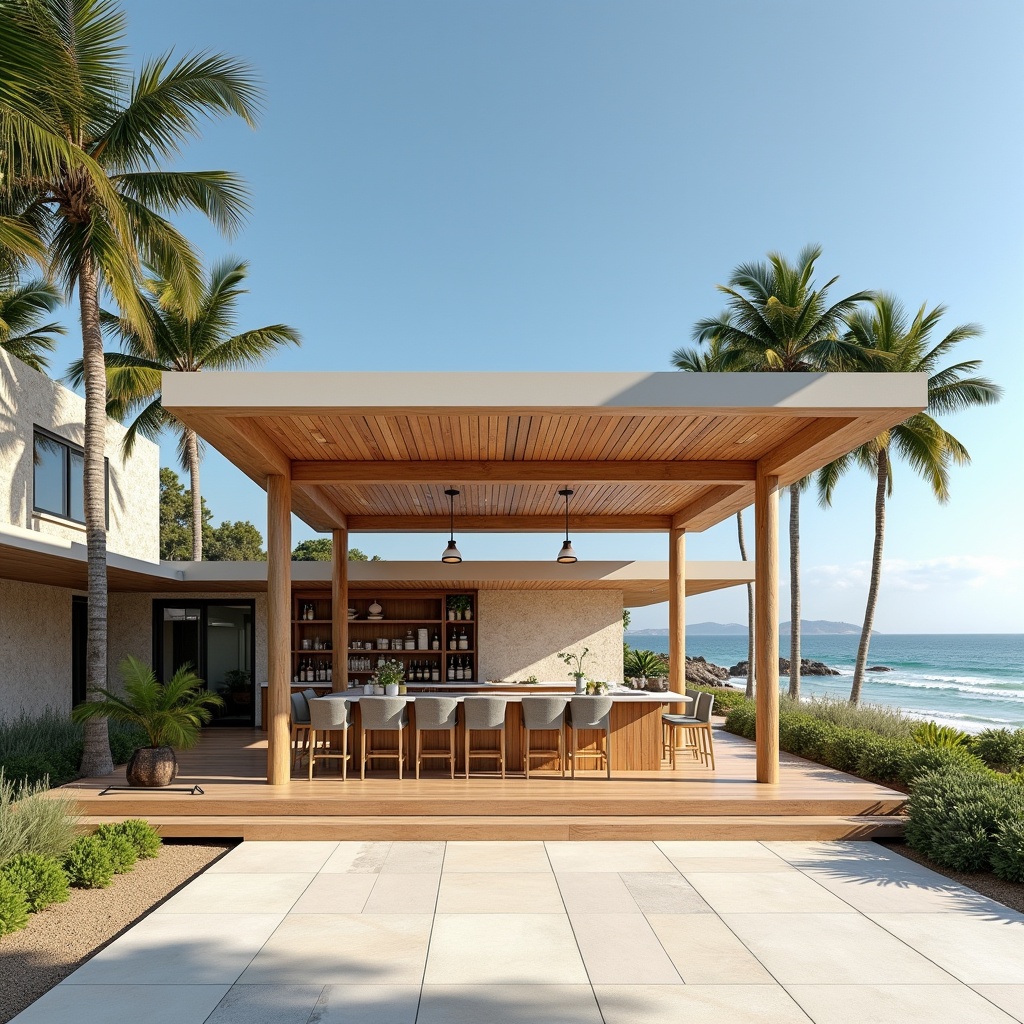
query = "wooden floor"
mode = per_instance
[{"x": 692, "y": 802}]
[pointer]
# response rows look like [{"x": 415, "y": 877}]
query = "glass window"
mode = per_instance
[
  {"x": 50, "y": 476},
  {"x": 76, "y": 484}
]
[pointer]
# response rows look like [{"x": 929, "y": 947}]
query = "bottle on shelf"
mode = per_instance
[
  {"x": 435, "y": 643},
  {"x": 463, "y": 641},
  {"x": 330, "y": 672},
  {"x": 453, "y": 642},
  {"x": 435, "y": 673},
  {"x": 451, "y": 669}
]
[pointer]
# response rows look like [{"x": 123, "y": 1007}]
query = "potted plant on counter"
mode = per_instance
[
  {"x": 460, "y": 607},
  {"x": 390, "y": 675},
  {"x": 575, "y": 663},
  {"x": 172, "y": 715}
]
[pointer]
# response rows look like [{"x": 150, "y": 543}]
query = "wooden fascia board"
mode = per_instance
[
  {"x": 525, "y": 471},
  {"x": 696, "y": 512},
  {"x": 508, "y": 524}
]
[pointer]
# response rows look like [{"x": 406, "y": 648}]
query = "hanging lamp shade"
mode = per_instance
[
  {"x": 451, "y": 553},
  {"x": 566, "y": 556}
]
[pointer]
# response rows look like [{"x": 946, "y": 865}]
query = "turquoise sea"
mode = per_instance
[{"x": 971, "y": 680}]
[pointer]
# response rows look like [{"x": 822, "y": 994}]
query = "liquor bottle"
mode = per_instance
[
  {"x": 453, "y": 642},
  {"x": 302, "y": 672},
  {"x": 435, "y": 644},
  {"x": 330, "y": 673},
  {"x": 435, "y": 673},
  {"x": 463, "y": 641},
  {"x": 451, "y": 669}
]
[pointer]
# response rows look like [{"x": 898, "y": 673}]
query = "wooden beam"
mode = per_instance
[
  {"x": 335, "y": 514},
  {"x": 766, "y": 628},
  {"x": 677, "y": 613},
  {"x": 279, "y": 628},
  {"x": 708, "y": 501},
  {"x": 339, "y": 609},
  {"x": 515, "y": 472},
  {"x": 259, "y": 443},
  {"x": 509, "y": 524}
]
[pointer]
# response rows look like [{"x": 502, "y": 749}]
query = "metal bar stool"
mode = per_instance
[
  {"x": 327, "y": 715},
  {"x": 484, "y": 714},
  {"x": 590, "y": 713},
  {"x": 542, "y": 714},
  {"x": 436, "y": 713},
  {"x": 299, "y": 727},
  {"x": 386, "y": 714}
]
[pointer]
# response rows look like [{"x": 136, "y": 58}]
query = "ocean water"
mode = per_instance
[{"x": 972, "y": 681}]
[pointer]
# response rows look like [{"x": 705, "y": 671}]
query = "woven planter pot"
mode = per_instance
[{"x": 152, "y": 767}]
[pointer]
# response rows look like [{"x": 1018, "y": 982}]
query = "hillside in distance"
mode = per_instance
[{"x": 808, "y": 627}]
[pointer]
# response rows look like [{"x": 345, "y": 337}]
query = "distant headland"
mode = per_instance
[{"x": 808, "y": 627}]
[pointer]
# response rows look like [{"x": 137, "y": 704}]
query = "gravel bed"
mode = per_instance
[
  {"x": 61, "y": 938},
  {"x": 1010, "y": 894}
]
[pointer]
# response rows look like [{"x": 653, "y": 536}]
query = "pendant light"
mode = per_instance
[
  {"x": 566, "y": 556},
  {"x": 451, "y": 553}
]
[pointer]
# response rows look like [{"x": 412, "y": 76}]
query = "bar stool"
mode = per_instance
[
  {"x": 590, "y": 713},
  {"x": 699, "y": 725},
  {"x": 542, "y": 714},
  {"x": 299, "y": 727},
  {"x": 386, "y": 714},
  {"x": 327, "y": 715},
  {"x": 436, "y": 713},
  {"x": 484, "y": 714},
  {"x": 666, "y": 732}
]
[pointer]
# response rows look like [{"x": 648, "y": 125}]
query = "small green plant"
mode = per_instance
[
  {"x": 931, "y": 734},
  {"x": 391, "y": 673},
  {"x": 140, "y": 834},
  {"x": 459, "y": 603},
  {"x": 13, "y": 908},
  {"x": 33, "y": 820},
  {"x": 120, "y": 847},
  {"x": 531, "y": 679},
  {"x": 1002, "y": 749},
  {"x": 1008, "y": 852},
  {"x": 41, "y": 880},
  {"x": 89, "y": 864},
  {"x": 571, "y": 659},
  {"x": 644, "y": 663}
]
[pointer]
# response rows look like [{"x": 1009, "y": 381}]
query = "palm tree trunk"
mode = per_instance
[
  {"x": 96, "y": 758},
  {"x": 192, "y": 454},
  {"x": 881, "y": 484},
  {"x": 750, "y": 608},
  {"x": 794, "y": 591}
]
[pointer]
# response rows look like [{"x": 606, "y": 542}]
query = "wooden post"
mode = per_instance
[
  {"x": 677, "y": 612},
  {"x": 339, "y": 608},
  {"x": 279, "y": 600},
  {"x": 766, "y": 624}
]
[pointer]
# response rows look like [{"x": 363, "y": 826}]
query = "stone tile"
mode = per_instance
[
  {"x": 905, "y": 1004},
  {"x": 706, "y": 1004},
  {"x": 811, "y": 853},
  {"x": 738, "y": 849},
  {"x": 508, "y": 1004},
  {"x": 733, "y": 865},
  {"x": 502, "y": 857},
  {"x": 705, "y": 951},
  {"x": 403, "y": 894},
  {"x": 266, "y": 1004},
  {"x": 766, "y": 893},
  {"x": 976, "y": 950},
  {"x": 250, "y": 893},
  {"x": 357, "y": 857},
  {"x": 621, "y": 949},
  {"x": 568, "y": 857},
  {"x": 167, "y": 949},
  {"x": 367, "y": 1004},
  {"x": 1007, "y": 997},
  {"x": 831, "y": 949},
  {"x": 414, "y": 859},
  {"x": 336, "y": 949},
  {"x": 335, "y": 893},
  {"x": 274, "y": 857},
  {"x": 597, "y": 892},
  {"x": 503, "y": 949},
  {"x": 123, "y": 1004},
  {"x": 493, "y": 892},
  {"x": 658, "y": 892}
]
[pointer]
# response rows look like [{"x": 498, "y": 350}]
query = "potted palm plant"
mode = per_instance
[{"x": 171, "y": 714}]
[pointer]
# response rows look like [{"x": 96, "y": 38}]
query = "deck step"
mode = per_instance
[{"x": 511, "y": 827}]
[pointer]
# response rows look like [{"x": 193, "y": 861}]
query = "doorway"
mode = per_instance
[{"x": 215, "y": 637}]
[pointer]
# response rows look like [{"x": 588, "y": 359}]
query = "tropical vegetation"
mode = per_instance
[
  {"x": 321, "y": 549},
  {"x": 84, "y": 142},
  {"x": 23, "y": 308}
]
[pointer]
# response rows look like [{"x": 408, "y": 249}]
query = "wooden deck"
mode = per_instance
[{"x": 810, "y": 801}]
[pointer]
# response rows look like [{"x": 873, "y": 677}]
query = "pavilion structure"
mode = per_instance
[{"x": 673, "y": 453}]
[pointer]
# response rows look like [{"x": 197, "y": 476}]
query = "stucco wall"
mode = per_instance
[
  {"x": 521, "y": 633},
  {"x": 29, "y": 398},
  {"x": 35, "y": 648}
]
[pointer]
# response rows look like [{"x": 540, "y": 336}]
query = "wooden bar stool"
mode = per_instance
[
  {"x": 384, "y": 714},
  {"x": 590, "y": 713},
  {"x": 484, "y": 714},
  {"x": 696, "y": 727},
  {"x": 327, "y": 715},
  {"x": 544, "y": 714},
  {"x": 436, "y": 713}
]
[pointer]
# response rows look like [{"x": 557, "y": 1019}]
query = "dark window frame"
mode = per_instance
[{"x": 69, "y": 448}]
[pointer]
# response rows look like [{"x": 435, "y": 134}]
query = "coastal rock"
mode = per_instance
[
  {"x": 878, "y": 668},
  {"x": 701, "y": 672},
  {"x": 807, "y": 668}
]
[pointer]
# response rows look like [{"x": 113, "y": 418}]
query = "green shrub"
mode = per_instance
[
  {"x": 872, "y": 717},
  {"x": 741, "y": 720},
  {"x": 13, "y": 908},
  {"x": 33, "y": 821},
  {"x": 1008, "y": 852},
  {"x": 726, "y": 698},
  {"x": 89, "y": 864},
  {"x": 931, "y": 734},
  {"x": 119, "y": 846},
  {"x": 1002, "y": 749},
  {"x": 923, "y": 760},
  {"x": 883, "y": 758},
  {"x": 41, "y": 880},
  {"x": 141, "y": 834}
]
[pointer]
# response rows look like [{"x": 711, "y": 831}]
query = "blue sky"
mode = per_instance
[{"x": 560, "y": 185}]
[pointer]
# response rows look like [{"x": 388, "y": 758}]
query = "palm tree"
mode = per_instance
[
  {"x": 187, "y": 342},
  {"x": 22, "y": 307},
  {"x": 921, "y": 441},
  {"x": 83, "y": 139},
  {"x": 777, "y": 320},
  {"x": 694, "y": 360}
]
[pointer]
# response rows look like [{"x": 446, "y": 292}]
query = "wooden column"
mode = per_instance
[
  {"x": 677, "y": 611},
  {"x": 339, "y": 609},
  {"x": 766, "y": 624},
  {"x": 279, "y": 615}
]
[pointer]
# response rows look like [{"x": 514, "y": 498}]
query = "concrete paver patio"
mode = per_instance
[{"x": 557, "y": 933}]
